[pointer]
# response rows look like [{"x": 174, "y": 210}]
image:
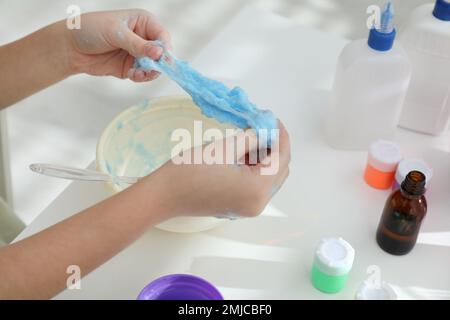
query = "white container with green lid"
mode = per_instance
[{"x": 332, "y": 264}]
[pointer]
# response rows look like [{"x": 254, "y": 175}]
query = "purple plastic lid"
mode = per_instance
[{"x": 180, "y": 287}]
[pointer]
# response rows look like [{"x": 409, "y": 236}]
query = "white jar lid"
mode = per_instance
[
  {"x": 370, "y": 291},
  {"x": 384, "y": 155},
  {"x": 334, "y": 256},
  {"x": 408, "y": 165}
]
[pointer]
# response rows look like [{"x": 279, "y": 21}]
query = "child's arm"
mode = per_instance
[
  {"x": 36, "y": 267},
  {"x": 32, "y": 63},
  {"x": 106, "y": 44}
]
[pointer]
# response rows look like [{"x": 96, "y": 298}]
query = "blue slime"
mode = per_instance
[{"x": 214, "y": 98}]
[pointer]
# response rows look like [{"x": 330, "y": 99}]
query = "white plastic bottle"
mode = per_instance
[
  {"x": 370, "y": 85},
  {"x": 426, "y": 39}
]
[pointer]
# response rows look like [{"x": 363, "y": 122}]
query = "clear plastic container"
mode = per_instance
[
  {"x": 370, "y": 86},
  {"x": 368, "y": 94},
  {"x": 426, "y": 39}
]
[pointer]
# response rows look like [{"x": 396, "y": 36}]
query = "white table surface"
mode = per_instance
[{"x": 288, "y": 68}]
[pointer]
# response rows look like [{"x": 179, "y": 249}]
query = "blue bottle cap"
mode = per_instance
[
  {"x": 442, "y": 10},
  {"x": 381, "y": 41},
  {"x": 383, "y": 38}
]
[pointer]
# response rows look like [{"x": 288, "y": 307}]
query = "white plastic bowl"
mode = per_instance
[{"x": 138, "y": 141}]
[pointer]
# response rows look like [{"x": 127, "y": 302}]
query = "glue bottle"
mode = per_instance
[
  {"x": 426, "y": 39},
  {"x": 402, "y": 216},
  {"x": 370, "y": 85}
]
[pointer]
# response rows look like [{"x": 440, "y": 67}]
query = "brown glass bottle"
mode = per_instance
[{"x": 402, "y": 216}]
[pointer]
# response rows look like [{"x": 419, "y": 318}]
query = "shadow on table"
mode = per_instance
[
  {"x": 421, "y": 293},
  {"x": 274, "y": 228},
  {"x": 264, "y": 278}
]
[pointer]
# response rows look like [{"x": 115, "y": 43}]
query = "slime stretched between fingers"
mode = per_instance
[{"x": 214, "y": 98}]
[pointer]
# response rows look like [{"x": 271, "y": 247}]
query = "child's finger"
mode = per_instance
[
  {"x": 155, "y": 31},
  {"x": 153, "y": 75},
  {"x": 132, "y": 43},
  {"x": 137, "y": 75},
  {"x": 139, "y": 47},
  {"x": 284, "y": 145},
  {"x": 246, "y": 145},
  {"x": 152, "y": 51},
  {"x": 141, "y": 75}
]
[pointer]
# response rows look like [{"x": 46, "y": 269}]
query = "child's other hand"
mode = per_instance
[
  {"x": 108, "y": 43},
  {"x": 221, "y": 189}
]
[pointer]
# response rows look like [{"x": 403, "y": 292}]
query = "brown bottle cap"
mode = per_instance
[{"x": 414, "y": 183}]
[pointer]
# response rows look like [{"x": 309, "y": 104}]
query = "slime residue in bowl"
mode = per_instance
[{"x": 139, "y": 140}]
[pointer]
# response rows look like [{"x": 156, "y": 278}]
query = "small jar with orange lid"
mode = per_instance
[{"x": 384, "y": 157}]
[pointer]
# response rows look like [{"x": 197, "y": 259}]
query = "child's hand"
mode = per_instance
[
  {"x": 108, "y": 43},
  {"x": 220, "y": 190}
]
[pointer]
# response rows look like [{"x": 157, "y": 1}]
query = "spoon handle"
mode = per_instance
[{"x": 68, "y": 173}]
